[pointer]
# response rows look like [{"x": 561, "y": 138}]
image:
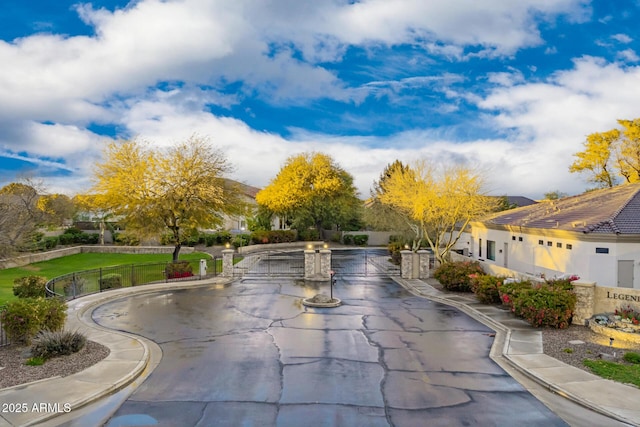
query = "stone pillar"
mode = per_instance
[
  {"x": 227, "y": 262},
  {"x": 585, "y": 303},
  {"x": 309, "y": 263},
  {"x": 423, "y": 260},
  {"x": 317, "y": 264},
  {"x": 406, "y": 264},
  {"x": 325, "y": 264}
]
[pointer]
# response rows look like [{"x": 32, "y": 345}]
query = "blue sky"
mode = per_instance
[{"x": 509, "y": 87}]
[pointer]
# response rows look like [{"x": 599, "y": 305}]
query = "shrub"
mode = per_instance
[
  {"x": 629, "y": 313},
  {"x": 51, "y": 242},
  {"x": 545, "y": 305},
  {"x": 126, "y": 239},
  {"x": 454, "y": 276},
  {"x": 394, "y": 250},
  {"x": 23, "y": 318},
  {"x": 360, "y": 239},
  {"x": 347, "y": 239},
  {"x": 110, "y": 281},
  {"x": 48, "y": 344},
  {"x": 53, "y": 313},
  {"x": 486, "y": 288},
  {"x": 308, "y": 235},
  {"x": 29, "y": 287},
  {"x": 632, "y": 357},
  {"x": 241, "y": 240},
  {"x": 176, "y": 270},
  {"x": 74, "y": 287},
  {"x": 34, "y": 361},
  {"x": 509, "y": 292}
]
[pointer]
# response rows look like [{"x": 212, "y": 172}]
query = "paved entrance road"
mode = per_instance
[{"x": 251, "y": 354}]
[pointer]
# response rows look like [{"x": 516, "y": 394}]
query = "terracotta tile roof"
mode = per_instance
[{"x": 612, "y": 210}]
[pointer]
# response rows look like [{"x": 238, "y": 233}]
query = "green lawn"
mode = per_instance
[
  {"x": 73, "y": 263},
  {"x": 626, "y": 374}
]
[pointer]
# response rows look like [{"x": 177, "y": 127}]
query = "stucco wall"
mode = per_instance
[{"x": 523, "y": 252}]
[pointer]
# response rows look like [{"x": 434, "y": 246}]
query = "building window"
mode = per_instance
[
  {"x": 513, "y": 237},
  {"x": 569, "y": 246},
  {"x": 549, "y": 243},
  {"x": 519, "y": 239},
  {"x": 479, "y": 248},
  {"x": 602, "y": 250},
  {"x": 558, "y": 245},
  {"x": 541, "y": 242},
  {"x": 491, "y": 250}
]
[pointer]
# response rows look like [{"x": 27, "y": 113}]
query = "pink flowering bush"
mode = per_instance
[
  {"x": 454, "y": 276},
  {"x": 629, "y": 313},
  {"x": 486, "y": 288}
]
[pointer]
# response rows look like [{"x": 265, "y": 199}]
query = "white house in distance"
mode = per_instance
[{"x": 595, "y": 235}]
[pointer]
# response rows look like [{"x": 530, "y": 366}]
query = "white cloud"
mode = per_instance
[
  {"x": 628, "y": 55},
  {"x": 622, "y": 38}
]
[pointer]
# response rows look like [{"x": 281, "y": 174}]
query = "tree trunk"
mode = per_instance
[{"x": 176, "y": 251}]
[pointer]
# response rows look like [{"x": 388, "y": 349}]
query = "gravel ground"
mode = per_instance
[{"x": 15, "y": 372}]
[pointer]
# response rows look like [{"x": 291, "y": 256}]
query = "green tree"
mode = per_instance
[
  {"x": 384, "y": 217},
  {"x": 20, "y": 214},
  {"x": 555, "y": 195},
  {"x": 180, "y": 189},
  {"x": 311, "y": 190},
  {"x": 438, "y": 202}
]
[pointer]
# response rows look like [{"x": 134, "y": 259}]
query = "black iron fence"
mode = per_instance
[
  {"x": 270, "y": 263},
  {"x": 3, "y": 336},
  {"x": 74, "y": 285},
  {"x": 359, "y": 262}
]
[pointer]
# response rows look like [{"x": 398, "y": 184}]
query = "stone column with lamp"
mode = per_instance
[{"x": 227, "y": 262}]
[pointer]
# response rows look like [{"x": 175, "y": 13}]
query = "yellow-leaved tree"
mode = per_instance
[
  {"x": 611, "y": 155},
  {"x": 180, "y": 189},
  {"x": 437, "y": 202},
  {"x": 312, "y": 190}
]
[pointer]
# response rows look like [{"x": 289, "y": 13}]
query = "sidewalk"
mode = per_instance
[
  {"x": 131, "y": 357},
  {"x": 521, "y": 345}
]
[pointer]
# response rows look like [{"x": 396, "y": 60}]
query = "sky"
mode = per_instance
[{"x": 510, "y": 88}]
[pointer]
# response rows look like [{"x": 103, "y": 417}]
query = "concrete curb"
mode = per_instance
[{"x": 500, "y": 350}]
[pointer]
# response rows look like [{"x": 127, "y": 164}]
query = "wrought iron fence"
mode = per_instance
[
  {"x": 363, "y": 262},
  {"x": 74, "y": 285},
  {"x": 3, "y": 336},
  {"x": 270, "y": 263}
]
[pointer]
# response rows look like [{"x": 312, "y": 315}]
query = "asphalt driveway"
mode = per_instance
[{"x": 252, "y": 355}]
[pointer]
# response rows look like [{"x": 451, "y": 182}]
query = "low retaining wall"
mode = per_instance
[
  {"x": 279, "y": 246},
  {"x": 59, "y": 253}
]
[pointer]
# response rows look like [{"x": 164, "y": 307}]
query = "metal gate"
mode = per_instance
[
  {"x": 363, "y": 262},
  {"x": 270, "y": 264}
]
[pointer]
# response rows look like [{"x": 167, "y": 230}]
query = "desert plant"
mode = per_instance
[
  {"x": 454, "y": 276},
  {"x": 48, "y": 344},
  {"x": 30, "y": 287}
]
